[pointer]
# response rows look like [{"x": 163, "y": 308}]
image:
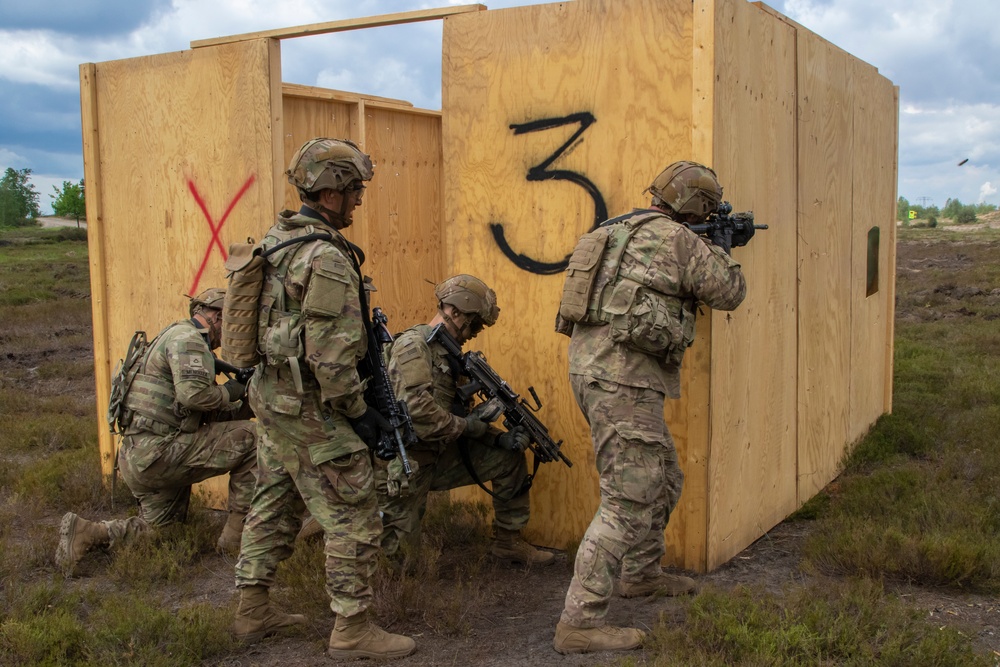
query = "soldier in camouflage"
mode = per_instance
[
  {"x": 313, "y": 423},
  {"x": 630, "y": 299},
  {"x": 424, "y": 378},
  {"x": 181, "y": 429}
]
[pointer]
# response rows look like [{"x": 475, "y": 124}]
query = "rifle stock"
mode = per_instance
[{"x": 485, "y": 381}]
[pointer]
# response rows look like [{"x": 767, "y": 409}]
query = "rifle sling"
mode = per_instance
[{"x": 463, "y": 451}]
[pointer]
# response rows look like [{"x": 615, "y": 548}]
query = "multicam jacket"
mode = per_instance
[
  {"x": 422, "y": 376},
  {"x": 175, "y": 386},
  {"x": 671, "y": 260},
  {"x": 320, "y": 298}
]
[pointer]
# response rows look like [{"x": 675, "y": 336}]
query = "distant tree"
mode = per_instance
[
  {"x": 18, "y": 198},
  {"x": 902, "y": 209},
  {"x": 951, "y": 209},
  {"x": 70, "y": 202},
  {"x": 966, "y": 214},
  {"x": 983, "y": 207}
]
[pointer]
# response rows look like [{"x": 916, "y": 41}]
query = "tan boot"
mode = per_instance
[
  {"x": 665, "y": 584},
  {"x": 256, "y": 618},
  {"x": 76, "y": 537},
  {"x": 310, "y": 528},
  {"x": 357, "y": 637},
  {"x": 570, "y": 639},
  {"x": 232, "y": 533},
  {"x": 509, "y": 545}
]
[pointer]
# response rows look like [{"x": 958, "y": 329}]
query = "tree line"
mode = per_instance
[
  {"x": 19, "y": 200},
  {"x": 954, "y": 209}
]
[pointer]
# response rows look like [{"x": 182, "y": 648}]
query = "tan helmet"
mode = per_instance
[
  {"x": 328, "y": 164},
  {"x": 689, "y": 189},
  {"x": 213, "y": 297},
  {"x": 470, "y": 295}
]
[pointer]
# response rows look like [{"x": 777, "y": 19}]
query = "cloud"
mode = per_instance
[
  {"x": 80, "y": 17},
  {"x": 985, "y": 190}
]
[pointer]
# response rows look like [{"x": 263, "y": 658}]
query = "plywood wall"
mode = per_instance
[
  {"x": 752, "y": 453},
  {"x": 180, "y": 163},
  {"x": 617, "y": 75}
]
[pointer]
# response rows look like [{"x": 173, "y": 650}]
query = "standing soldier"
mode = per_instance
[
  {"x": 179, "y": 428},
  {"x": 630, "y": 298},
  {"x": 313, "y": 424},
  {"x": 423, "y": 377}
]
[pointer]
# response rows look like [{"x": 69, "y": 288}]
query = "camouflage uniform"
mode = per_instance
[
  {"x": 308, "y": 454},
  {"x": 422, "y": 376},
  {"x": 183, "y": 429},
  {"x": 621, "y": 392}
]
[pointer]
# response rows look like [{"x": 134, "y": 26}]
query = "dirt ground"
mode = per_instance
[{"x": 516, "y": 628}]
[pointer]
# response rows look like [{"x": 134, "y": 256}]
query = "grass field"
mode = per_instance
[{"x": 916, "y": 508}]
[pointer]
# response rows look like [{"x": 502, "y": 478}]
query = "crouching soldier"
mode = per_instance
[
  {"x": 424, "y": 378},
  {"x": 179, "y": 428}
]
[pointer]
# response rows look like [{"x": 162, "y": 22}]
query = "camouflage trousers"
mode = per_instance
[
  {"x": 161, "y": 469},
  {"x": 340, "y": 495},
  {"x": 640, "y": 485},
  {"x": 441, "y": 471}
]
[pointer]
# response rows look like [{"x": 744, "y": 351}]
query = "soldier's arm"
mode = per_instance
[
  {"x": 708, "y": 272},
  {"x": 410, "y": 369},
  {"x": 334, "y": 334},
  {"x": 192, "y": 368}
]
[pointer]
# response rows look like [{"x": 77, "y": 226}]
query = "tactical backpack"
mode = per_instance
[{"x": 119, "y": 416}]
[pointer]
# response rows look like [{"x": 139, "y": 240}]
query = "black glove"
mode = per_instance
[
  {"x": 370, "y": 426},
  {"x": 722, "y": 239},
  {"x": 236, "y": 389},
  {"x": 743, "y": 234},
  {"x": 514, "y": 440},
  {"x": 475, "y": 428}
]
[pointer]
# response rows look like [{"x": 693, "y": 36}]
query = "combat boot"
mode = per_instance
[
  {"x": 256, "y": 618},
  {"x": 509, "y": 545},
  {"x": 664, "y": 584},
  {"x": 570, "y": 639},
  {"x": 232, "y": 534},
  {"x": 76, "y": 537},
  {"x": 357, "y": 637}
]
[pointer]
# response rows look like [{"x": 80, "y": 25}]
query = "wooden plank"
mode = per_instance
[
  {"x": 185, "y": 147},
  {"x": 752, "y": 466},
  {"x": 96, "y": 244},
  {"x": 547, "y": 70},
  {"x": 890, "y": 305},
  {"x": 312, "y": 92},
  {"x": 873, "y": 193},
  {"x": 824, "y": 204},
  {"x": 342, "y": 25}
]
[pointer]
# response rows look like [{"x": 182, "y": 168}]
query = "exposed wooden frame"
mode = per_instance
[{"x": 343, "y": 25}]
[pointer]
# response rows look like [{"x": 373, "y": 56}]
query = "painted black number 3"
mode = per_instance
[{"x": 541, "y": 172}]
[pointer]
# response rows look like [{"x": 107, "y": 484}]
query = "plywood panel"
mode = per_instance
[
  {"x": 752, "y": 462},
  {"x": 597, "y": 121},
  {"x": 874, "y": 139},
  {"x": 825, "y": 258},
  {"x": 186, "y": 148}
]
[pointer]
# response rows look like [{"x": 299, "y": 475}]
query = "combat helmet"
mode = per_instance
[
  {"x": 469, "y": 295},
  {"x": 334, "y": 164},
  {"x": 689, "y": 189},
  {"x": 213, "y": 297}
]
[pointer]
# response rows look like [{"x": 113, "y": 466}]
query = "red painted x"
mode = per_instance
[{"x": 216, "y": 241}]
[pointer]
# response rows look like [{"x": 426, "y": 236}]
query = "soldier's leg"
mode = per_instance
[
  {"x": 403, "y": 512},
  {"x": 631, "y": 476}
]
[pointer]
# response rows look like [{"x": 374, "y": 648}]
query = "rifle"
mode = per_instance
[
  {"x": 241, "y": 375},
  {"x": 731, "y": 229},
  {"x": 500, "y": 398},
  {"x": 379, "y": 395}
]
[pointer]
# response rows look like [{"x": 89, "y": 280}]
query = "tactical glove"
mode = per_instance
[
  {"x": 370, "y": 427},
  {"x": 743, "y": 234},
  {"x": 236, "y": 390},
  {"x": 514, "y": 440},
  {"x": 723, "y": 239},
  {"x": 475, "y": 428}
]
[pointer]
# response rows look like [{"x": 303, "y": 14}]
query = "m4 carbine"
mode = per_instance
[
  {"x": 727, "y": 229},
  {"x": 500, "y": 398}
]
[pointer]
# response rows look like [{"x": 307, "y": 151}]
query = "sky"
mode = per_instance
[{"x": 943, "y": 54}]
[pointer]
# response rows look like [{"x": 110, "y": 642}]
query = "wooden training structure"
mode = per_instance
[{"x": 553, "y": 116}]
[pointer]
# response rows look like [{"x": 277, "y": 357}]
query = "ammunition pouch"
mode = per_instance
[
  {"x": 649, "y": 322},
  {"x": 284, "y": 346}
]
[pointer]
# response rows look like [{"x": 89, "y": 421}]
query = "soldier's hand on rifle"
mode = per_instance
[
  {"x": 722, "y": 238},
  {"x": 370, "y": 426},
  {"x": 475, "y": 428},
  {"x": 236, "y": 389},
  {"x": 743, "y": 235},
  {"x": 515, "y": 440}
]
